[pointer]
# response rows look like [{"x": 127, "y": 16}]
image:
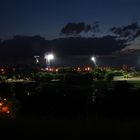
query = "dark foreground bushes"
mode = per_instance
[
  {"x": 78, "y": 78},
  {"x": 122, "y": 100},
  {"x": 60, "y": 99},
  {"x": 5, "y": 90},
  {"x": 75, "y": 98}
]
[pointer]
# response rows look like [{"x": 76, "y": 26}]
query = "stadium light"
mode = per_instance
[
  {"x": 48, "y": 58},
  {"x": 94, "y": 60}
]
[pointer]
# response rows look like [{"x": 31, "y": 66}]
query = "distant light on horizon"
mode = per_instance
[
  {"x": 93, "y": 59},
  {"x": 36, "y": 58},
  {"x": 48, "y": 58}
]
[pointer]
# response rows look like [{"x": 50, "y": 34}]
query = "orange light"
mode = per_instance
[
  {"x": 88, "y": 68},
  {"x": 51, "y": 69},
  {"x": 8, "y": 112},
  {"x": 5, "y": 109},
  {"x": 78, "y": 69},
  {"x": 0, "y": 104}
]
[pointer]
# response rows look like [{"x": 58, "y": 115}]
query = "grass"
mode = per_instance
[{"x": 135, "y": 82}]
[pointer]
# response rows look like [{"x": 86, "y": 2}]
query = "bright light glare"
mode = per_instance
[
  {"x": 93, "y": 59},
  {"x": 49, "y": 56},
  {"x": 37, "y": 61}
]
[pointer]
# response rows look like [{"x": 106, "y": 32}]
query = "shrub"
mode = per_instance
[
  {"x": 3, "y": 78},
  {"x": 109, "y": 76},
  {"x": 78, "y": 78},
  {"x": 43, "y": 77},
  {"x": 65, "y": 70}
]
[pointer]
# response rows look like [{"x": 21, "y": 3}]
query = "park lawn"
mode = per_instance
[{"x": 134, "y": 82}]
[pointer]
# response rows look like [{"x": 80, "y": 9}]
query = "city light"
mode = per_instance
[
  {"x": 48, "y": 58},
  {"x": 94, "y": 60},
  {"x": 36, "y": 59}
]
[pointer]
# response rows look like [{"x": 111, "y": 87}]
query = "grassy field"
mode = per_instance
[{"x": 133, "y": 80}]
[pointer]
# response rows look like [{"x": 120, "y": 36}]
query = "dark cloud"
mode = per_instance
[
  {"x": 129, "y": 32},
  {"x": 95, "y": 27},
  {"x": 22, "y": 47},
  {"x": 77, "y": 28},
  {"x": 88, "y": 46}
]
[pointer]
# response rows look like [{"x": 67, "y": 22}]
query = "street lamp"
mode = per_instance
[
  {"x": 94, "y": 60},
  {"x": 48, "y": 58},
  {"x": 36, "y": 59}
]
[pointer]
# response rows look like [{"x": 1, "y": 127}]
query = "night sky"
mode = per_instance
[
  {"x": 40, "y": 24},
  {"x": 48, "y": 17}
]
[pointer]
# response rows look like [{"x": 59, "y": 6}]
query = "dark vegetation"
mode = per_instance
[
  {"x": 74, "y": 94},
  {"x": 75, "y": 105}
]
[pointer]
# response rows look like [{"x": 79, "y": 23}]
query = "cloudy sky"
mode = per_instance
[{"x": 48, "y": 17}]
